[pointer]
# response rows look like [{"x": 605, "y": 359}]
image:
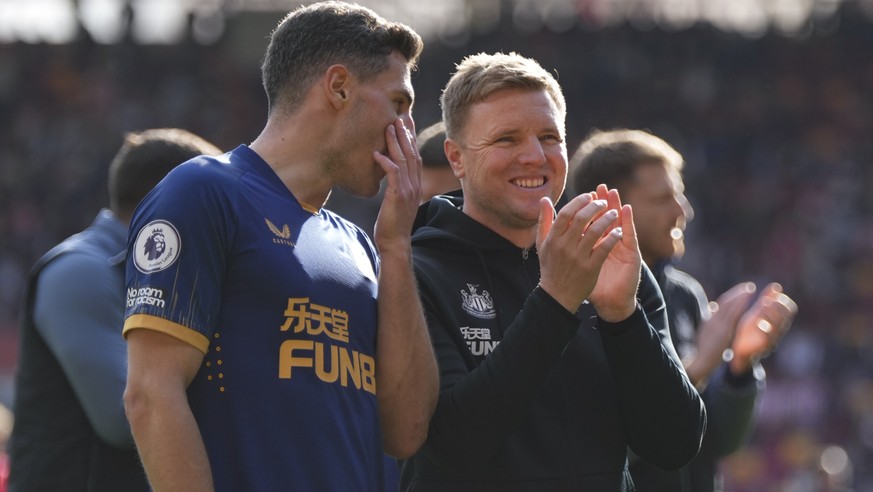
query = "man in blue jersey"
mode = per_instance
[
  {"x": 70, "y": 431},
  {"x": 270, "y": 346}
]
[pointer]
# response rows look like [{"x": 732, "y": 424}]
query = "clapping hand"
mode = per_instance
[
  {"x": 761, "y": 327},
  {"x": 717, "y": 333},
  {"x": 590, "y": 251},
  {"x": 614, "y": 296},
  {"x": 573, "y": 247}
]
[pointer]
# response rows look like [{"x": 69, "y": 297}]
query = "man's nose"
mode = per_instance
[
  {"x": 531, "y": 151},
  {"x": 685, "y": 205}
]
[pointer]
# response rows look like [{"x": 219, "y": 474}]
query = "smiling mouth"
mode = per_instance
[{"x": 529, "y": 182}]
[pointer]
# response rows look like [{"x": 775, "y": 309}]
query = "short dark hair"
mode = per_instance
[
  {"x": 312, "y": 38},
  {"x": 144, "y": 159},
  {"x": 431, "y": 146},
  {"x": 612, "y": 158}
]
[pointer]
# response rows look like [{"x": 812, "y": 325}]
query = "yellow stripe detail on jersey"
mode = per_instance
[{"x": 175, "y": 330}]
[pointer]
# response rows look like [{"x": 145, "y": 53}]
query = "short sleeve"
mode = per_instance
[{"x": 179, "y": 240}]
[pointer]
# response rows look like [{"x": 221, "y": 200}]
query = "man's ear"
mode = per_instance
[
  {"x": 336, "y": 85},
  {"x": 453, "y": 154}
]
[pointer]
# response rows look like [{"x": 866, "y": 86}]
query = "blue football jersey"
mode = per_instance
[{"x": 281, "y": 298}]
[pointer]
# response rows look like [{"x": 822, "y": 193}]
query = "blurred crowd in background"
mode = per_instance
[{"x": 777, "y": 133}]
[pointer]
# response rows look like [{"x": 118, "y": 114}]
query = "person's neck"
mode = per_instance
[
  {"x": 287, "y": 147},
  {"x": 520, "y": 237},
  {"x": 650, "y": 261}
]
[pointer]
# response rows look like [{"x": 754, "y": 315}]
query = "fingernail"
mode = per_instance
[
  {"x": 600, "y": 203},
  {"x": 617, "y": 232},
  {"x": 611, "y": 213}
]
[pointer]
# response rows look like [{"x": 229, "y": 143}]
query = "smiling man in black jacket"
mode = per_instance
[{"x": 550, "y": 334}]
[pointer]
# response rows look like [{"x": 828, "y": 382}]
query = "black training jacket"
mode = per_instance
[
  {"x": 533, "y": 397},
  {"x": 730, "y": 400}
]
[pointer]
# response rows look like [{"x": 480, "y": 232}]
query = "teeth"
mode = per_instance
[{"x": 529, "y": 182}]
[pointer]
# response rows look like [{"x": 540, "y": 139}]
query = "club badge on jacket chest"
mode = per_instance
[{"x": 480, "y": 333}]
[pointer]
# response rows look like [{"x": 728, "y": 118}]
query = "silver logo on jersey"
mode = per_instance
[
  {"x": 157, "y": 246},
  {"x": 476, "y": 304},
  {"x": 479, "y": 340}
]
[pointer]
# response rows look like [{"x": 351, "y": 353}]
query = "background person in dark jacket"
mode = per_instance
[
  {"x": 70, "y": 431},
  {"x": 647, "y": 172},
  {"x": 437, "y": 176},
  {"x": 553, "y": 354}
]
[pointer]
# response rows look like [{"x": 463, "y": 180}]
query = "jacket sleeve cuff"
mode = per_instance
[
  {"x": 619, "y": 328},
  {"x": 549, "y": 302},
  {"x": 751, "y": 380}
]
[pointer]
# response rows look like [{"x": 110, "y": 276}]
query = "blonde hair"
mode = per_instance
[{"x": 480, "y": 75}]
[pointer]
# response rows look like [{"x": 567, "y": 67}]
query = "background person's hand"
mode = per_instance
[
  {"x": 717, "y": 333},
  {"x": 761, "y": 327}
]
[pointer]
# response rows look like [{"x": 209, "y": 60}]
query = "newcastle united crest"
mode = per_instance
[{"x": 478, "y": 304}]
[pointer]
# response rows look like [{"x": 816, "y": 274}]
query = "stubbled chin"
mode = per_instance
[
  {"x": 361, "y": 190},
  {"x": 678, "y": 248}
]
